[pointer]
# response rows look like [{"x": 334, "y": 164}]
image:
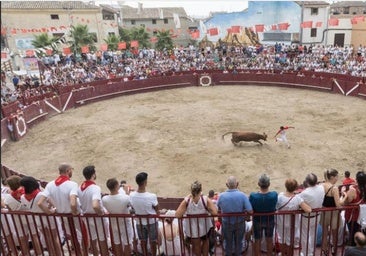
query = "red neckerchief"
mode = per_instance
[
  {"x": 32, "y": 195},
  {"x": 86, "y": 184},
  {"x": 17, "y": 193},
  {"x": 61, "y": 179}
]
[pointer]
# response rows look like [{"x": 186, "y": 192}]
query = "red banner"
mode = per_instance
[
  {"x": 213, "y": 31},
  {"x": 85, "y": 49},
  {"x": 66, "y": 50},
  {"x": 104, "y": 47},
  {"x": 4, "y": 55},
  {"x": 135, "y": 44},
  {"x": 307, "y": 24},
  {"x": 319, "y": 24},
  {"x": 333, "y": 22},
  {"x": 49, "y": 52},
  {"x": 235, "y": 29},
  {"x": 29, "y": 53},
  {"x": 122, "y": 46},
  {"x": 283, "y": 26},
  {"x": 274, "y": 27},
  {"x": 195, "y": 34},
  {"x": 259, "y": 28}
]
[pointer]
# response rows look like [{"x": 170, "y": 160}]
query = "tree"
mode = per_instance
[
  {"x": 164, "y": 41},
  {"x": 124, "y": 34},
  {"x": 112, "y": 42},
  {"x": 80, "y": 36},
  {"x": 141, "y": 36},
  {"x": 45, "y": 41}
]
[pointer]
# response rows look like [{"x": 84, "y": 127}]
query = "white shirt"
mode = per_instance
[
  {"x": 117, "y": 203},
  {"x": 144, "y": 204},
  {"x": 313, "y": 196},
  {"x": 86, "y": 197},
  {"x": 60, "y": 195}
]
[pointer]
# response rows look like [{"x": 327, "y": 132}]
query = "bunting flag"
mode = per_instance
[
  {"x": 85, "y": 49},
  {"x": 319, "y": 24},
  {"x": 273, "y": 27},
  {"x": 307, "y": 24},
  {"x": 259, "y": 28},
  {"x": 122, "y": 45},
  {"x": 66, "y": 50},
  {"x": 176, "y": 20},
  {"x": 357, "y": 19},
  {"x": 283, "y": 26},
  {"x": 4, "y": 55},
  {"x": 213, "y": 31},
  {"x": 235, "y": 29},
  {"x": 104, "y": 47},
  {"x": 353, "y": 21},
  {"x": 135, "y": 44},
  {"x": 333, "y": 22}
]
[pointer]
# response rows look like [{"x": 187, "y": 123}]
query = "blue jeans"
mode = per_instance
[{"x": 233, "y": 237}]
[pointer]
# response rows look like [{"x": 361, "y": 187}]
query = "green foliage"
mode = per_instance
[
  {"x": 80, "y": 36},
  {"x": 45, "y": 41},
  {"x": 112, "y": 42},
  {"x": 141, "y": 36},
  {"x": 164, "y": 41}
]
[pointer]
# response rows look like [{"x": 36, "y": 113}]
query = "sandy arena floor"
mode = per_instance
[{"x": 175, "y": 135}]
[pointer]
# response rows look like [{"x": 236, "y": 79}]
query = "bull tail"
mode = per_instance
[{"x": 225, "y": 135}]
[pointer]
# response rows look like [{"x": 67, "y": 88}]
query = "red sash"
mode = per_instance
[
  {"x": 17, "y": 193},
  {"x": 86, "y": 184},
  {"x": 32, "y": 195},
  {"x": 61, "y": 179}
]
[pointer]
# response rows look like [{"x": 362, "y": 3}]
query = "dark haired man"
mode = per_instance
[
  {"x": 145, "y": 203},
  {"x": 360, "y": 248},
  {"x": 91, "y": 203},
  {"x": 347, "y": 179},
  {"x": 313, "y": 195}
]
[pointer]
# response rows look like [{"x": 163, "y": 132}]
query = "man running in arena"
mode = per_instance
[{"x": 282, "y": 132}]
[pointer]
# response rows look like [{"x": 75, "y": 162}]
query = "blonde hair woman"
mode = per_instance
[{"x": 197, "y": 229}]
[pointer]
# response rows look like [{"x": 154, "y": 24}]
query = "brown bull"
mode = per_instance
[{"x": 236, "y": 137}]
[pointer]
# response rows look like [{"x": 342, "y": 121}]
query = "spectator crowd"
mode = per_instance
[
  {"x": 59, "y": 70},
  {"x": 127, "y": 220}
]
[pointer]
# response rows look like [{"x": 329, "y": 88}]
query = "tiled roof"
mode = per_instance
[
  {"x": 46, "y": 5},
  {"x": 151, "y": 13},
  {"x": 312, "y": 3},
  {"x": 349, "y": 4}
]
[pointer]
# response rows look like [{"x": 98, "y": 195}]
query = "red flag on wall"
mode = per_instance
[
  {"x": 319, "y": 24},
  {"x": 121, "y": 45},
  {"x": 66, "y": 50},
  {"x": 235, "y": 29},
  {"x": 283, "y": 26},
  {"x": 4, "y": 55},
  {"x": 135, "y": 44},
  {"x": 29, "y": 53},
  {"x": 213, "y": 31},
  {"x": 195, "y": 34},
  {"x": 333, "y": 22},
  {"x": 274, "y": 27},
  {"x": 85, "y": 49},
  {"x": 307, "y": 24},
  {"x": 49, "y": 52},
  {"x": 259, "y": 28},
  {"x": 104, "y": 47}
]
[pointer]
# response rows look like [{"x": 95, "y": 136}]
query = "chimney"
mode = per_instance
[{"x": 139, "y": 8}]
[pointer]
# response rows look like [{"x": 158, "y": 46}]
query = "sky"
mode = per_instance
[{"x": 193, "y": 8}]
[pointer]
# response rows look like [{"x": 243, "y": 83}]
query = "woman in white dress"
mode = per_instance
[{"x": 289, "y": 201}]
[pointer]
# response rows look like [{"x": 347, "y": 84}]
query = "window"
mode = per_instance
[
  {"x": 313, "y": 32},
  {"x": 54, "y": 17},
  {"x": 108, "y": 16},
  {"x": 314, "y": 11},
  {"x": 111, "y": 34},
  {"x": 155, "y": 33},
  {"x": 133, "y": 22},
  {"x": 346, "y": 10},
  {"x": 154, "y": 21},
  {"x": 165, "y": 21},
  {"x": 364, "y": 11}
]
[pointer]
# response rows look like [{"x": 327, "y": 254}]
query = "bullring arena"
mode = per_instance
[{"x": 171, "y": 127}]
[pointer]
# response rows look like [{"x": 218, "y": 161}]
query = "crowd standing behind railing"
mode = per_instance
[
  {"x": 69, "y": 218},
  {"x": 66, "y": 70}
]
